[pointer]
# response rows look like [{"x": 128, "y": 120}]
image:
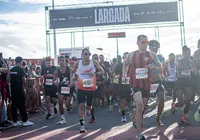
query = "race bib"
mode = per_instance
[
  {"x": 127, "y": 82},
  {"x": 171, "y": 79},
  {"x": 154, "y": 88},
  {"x": 49, "y": 82},
  {"x": 65, "y": 90},
  {"x": 141, "y": 73},
  {"x": 88, "y": 83},
  {"x": 186, "y": 72}
]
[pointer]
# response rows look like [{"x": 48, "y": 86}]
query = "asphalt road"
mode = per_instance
[{"x": 107, "y": 126}]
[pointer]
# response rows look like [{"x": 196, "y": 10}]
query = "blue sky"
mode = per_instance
[{"x": 22, "y": 30}]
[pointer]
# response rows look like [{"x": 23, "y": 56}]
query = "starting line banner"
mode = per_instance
[{"x": 114, "y": 15}]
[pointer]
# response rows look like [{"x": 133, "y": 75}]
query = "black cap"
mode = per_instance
[
  {"x": 18, "y": 59},
  {"x": 154, "y": 43}
]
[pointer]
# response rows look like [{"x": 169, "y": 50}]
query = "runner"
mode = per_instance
[
  {"x": 64, "y": 91},
  {"x": 115, "y": 88},
  {"x": 124, "y": 89},
  {"x": 171, "y": 77},
  {"x": 86, "y": 70},
  {"x": 17, "y": 79},
  {"x": 31, "y": 90},
  {"x": 50, "y": 89},
  {"x": 197, "y": 76},
  {"x": 184, "y": 84},
  {"x": 156, "y": 80},
  {"x": 103, "y": 78},
  {"x": 140, "y": 74}
]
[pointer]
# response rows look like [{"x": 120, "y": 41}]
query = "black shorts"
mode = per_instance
[
  {"x": 124, "y": 91},
  {"x": 145, "y": 93},
  {"x": 183, "y": 82},
  {"x": 51, "y": 91},
  {"x": 115, "y": 88},
  {"x": 170, "y": 85},
  {"x": 99, "y": 91},
  {"x": 160, "y": 87},
  {"x": 83, "y": 94},
  {"x": 108, "y": 83}
]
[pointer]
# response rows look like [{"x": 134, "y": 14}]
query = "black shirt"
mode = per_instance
[
  {"x": 44, "y": 73},
  {"x": 118, "y": 71},
  {"x": 17, "y": 75}
]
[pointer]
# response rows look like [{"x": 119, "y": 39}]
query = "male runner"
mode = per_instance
[
  {"x": 124, "y": 88},
  {"x": 86, "y": 70},
  {"x": 140, "y": 62},
  {"x": 156, "y": 80},
  {"x": 184, "y": 84},
  {"x": 50, "y": 89},
  {"x": 64, "y": 91},
  {"x": 171, "y": 77},
  {"x": 197, "y": 77}
]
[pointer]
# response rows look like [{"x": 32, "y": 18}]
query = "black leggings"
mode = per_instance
[{"x": 19, "y": 103}]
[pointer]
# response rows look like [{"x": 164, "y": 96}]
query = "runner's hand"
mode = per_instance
[
  {"x": 194, "y": 71},
  {"x": 124, "y": 79},
  {"x": 5, "y": 70},
  {"x": 149, "y": 66}
]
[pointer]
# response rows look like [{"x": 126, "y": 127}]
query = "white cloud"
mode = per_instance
[{"x": 25, "y": 33}]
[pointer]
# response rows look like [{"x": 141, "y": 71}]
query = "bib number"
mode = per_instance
[
  {"x": 65, "y": 90},
  {"x": 154, "y": 88},
  {"x": 141, "y": 73},
  {"x": 186, "y": 73},
  {"x": 49, "y": 82},
  {"x": 88, "y": 83}
]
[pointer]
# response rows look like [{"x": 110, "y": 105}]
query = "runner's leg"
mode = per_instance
[{"x": 138, "y": 111}]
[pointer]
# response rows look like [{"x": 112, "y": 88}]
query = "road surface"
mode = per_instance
[{"x": 108, "y": 126}]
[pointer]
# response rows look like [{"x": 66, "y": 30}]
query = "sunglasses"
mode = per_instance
[
  {"x": 87, "y": 54},
  {"x": 95, "y": 58},
  {"x": 144, "y": 42}
]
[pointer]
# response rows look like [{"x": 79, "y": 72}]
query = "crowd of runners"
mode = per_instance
[{"x": 129, "y": 80}]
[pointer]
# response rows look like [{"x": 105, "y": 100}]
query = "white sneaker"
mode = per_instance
[
  {"x": 63, "y": 121},
  {"x": 116, "y": 105},
  {"x": 27, "y": 123},
  {"x": 82, "y": 130},
  {"x": 87, "y": 112},
  {"x": 17, "y": 124},
  {"x": 123, "y": 119}
]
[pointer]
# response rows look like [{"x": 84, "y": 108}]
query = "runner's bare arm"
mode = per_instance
[
  {"x": 8, "y": 76},
  {"x": 75, "y": 67},
  {"x": 197, "y": 58},
  {"x": 194, "y": 67},
  {"x": 166, "y": 72},
  {"x": 99, "y": 68},
  {"x": 71, "y": 74},
  {"x": 126, "y": 63},
  {"x": 157, "y": 64},
  {"x": 55, "y": 76}
]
